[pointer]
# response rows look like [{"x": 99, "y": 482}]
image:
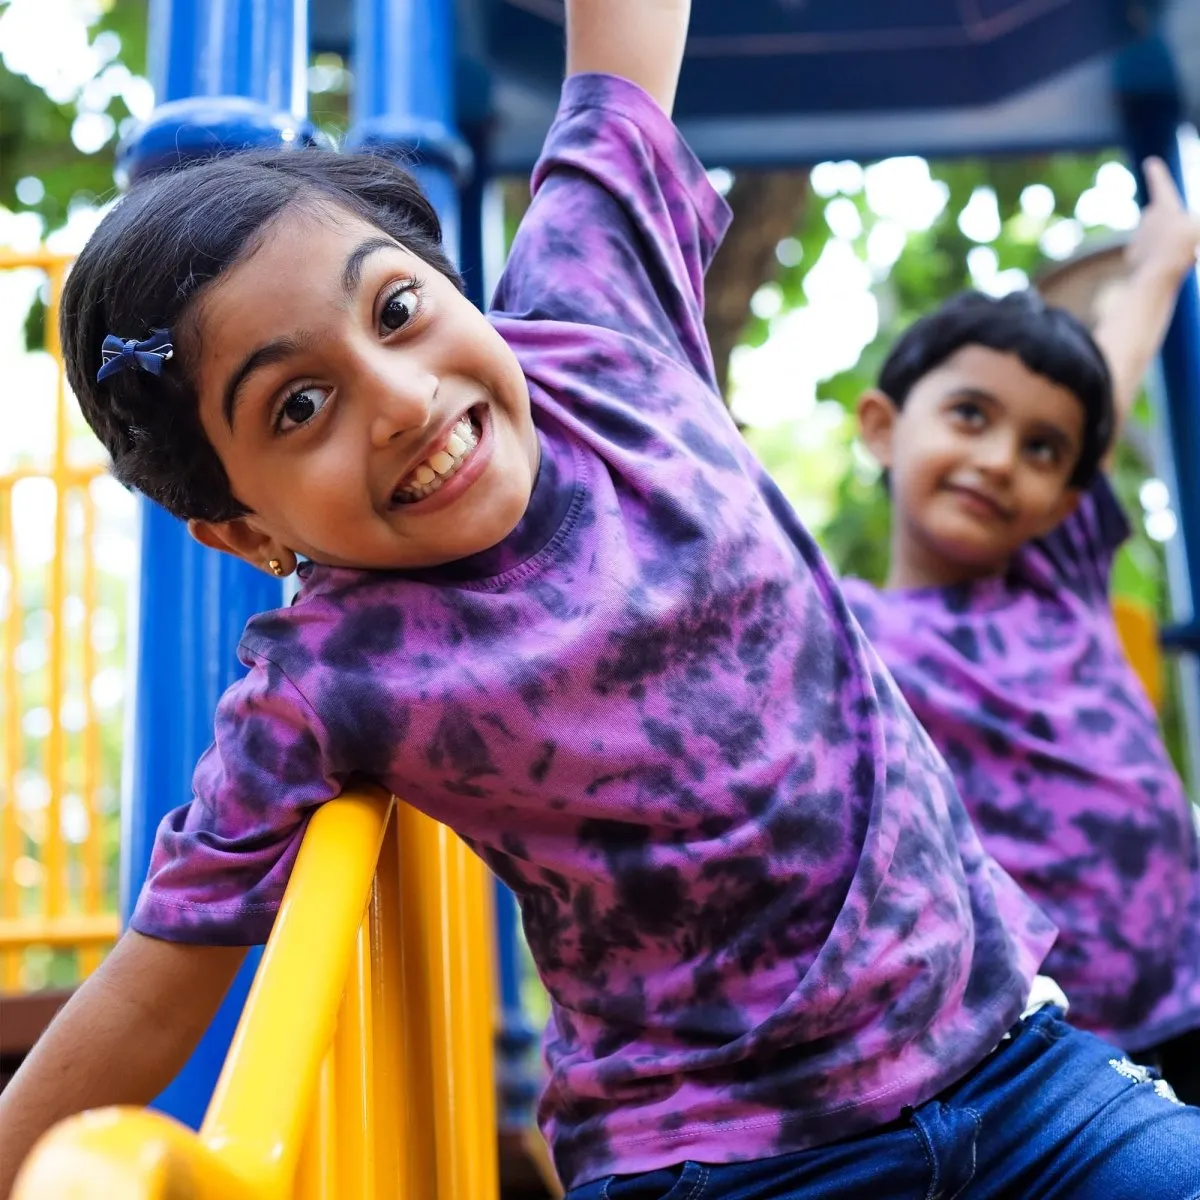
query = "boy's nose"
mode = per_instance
[{"x": 997, "y": 454}]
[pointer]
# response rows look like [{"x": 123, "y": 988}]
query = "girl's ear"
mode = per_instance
[
  {"x": 877, "y": 424},
  {"x": 241, "y": 539}
]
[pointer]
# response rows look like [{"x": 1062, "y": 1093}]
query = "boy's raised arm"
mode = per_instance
[
  {"x": 120, "y": 1039},
  {"x": 639, "y": 40},
  {"x": 1135, "y": 316}
]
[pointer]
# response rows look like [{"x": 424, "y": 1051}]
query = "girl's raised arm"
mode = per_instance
[
  {"x": 639, "y": 40},
  {"x": 1135, "y": 316}
]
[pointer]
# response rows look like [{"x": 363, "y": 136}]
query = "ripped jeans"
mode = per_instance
[{"x": 1052, "y": 1114}]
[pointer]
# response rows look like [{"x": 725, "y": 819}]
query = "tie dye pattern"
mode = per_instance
[
  {"x": 761, "y": 913},
  {"x": 1022, "y": 684}
]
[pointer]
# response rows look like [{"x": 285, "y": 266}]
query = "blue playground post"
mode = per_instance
[
  {"x": 1152, "y": 110},
  {"x": 228, "y": 73},
  {"x": 404, "y": 97}
]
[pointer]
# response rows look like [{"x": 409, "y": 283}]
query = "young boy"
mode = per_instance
[{"x": 994, "y": 420}]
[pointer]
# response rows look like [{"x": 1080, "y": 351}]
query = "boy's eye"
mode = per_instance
[
  {"x": 300, "y": 407},
  {"x": 1043, "y": 453},
  {"x": 399, "y": 308},
  {"x": 969, "y": 413}
]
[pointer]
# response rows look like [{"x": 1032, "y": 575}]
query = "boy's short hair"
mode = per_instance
[
  {"x": 1049, "y": 341},
  {"x": 153, "y": 255}
]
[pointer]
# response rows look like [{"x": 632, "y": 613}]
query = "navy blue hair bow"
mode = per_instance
[{"x": 120, "y": 354}]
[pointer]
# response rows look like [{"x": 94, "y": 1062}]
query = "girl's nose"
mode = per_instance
[{"x": 400, "y": 403}]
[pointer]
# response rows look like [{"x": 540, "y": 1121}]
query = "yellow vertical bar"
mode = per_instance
[
  {"x": 93, "y": 856},
  {"x": 467, "y": 1134},
  {"x": 316, "y": 1172},
  {"x": 482, "y": 1021},
  {"x": 354, "y": 1075},
  {"x": 10, "y": 960},
  {"x": 442, "y": 893},
  {"x": 419, "y": 1162},
  {"x": 387, "y": 1021},
  {"x": 53, "y": 855}
]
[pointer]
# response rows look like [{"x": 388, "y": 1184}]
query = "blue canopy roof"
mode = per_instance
[{"x": 781, "y": 81}]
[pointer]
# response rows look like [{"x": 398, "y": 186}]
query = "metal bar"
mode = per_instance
[
  {"x": 75, "y": 476},
  {"x": 10, "y": 962},
  {"x": 93, "y": 849},
  {"x": 355, "y": 1082},
  {"x": 253, "y": 1121},
  {"x": 53, "y": 853},
  {"x": 69, "y": 930},
  {"x": 393, "y": 1086},
  {"x": 1152, "y": 110}
]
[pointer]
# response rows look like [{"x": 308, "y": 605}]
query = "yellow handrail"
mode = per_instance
[
  {"x": 362, "y": 1065},
  {"x": 1138, "y": 631}
]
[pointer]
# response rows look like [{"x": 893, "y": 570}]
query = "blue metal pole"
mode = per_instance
[
  {"x": 1152, "y": 111},
  {"x": 404, "y": 99},
  {"x": 228, "y": 74}
]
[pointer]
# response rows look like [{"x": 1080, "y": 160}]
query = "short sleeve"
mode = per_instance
[
  {"x": 220, "y": 864},
  {"x": 1080, "y": 552},
  {"x": 622, "y": 226}
]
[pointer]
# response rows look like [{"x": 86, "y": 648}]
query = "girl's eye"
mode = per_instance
[
  {"x": 399, "y": 308},
  {"x": 969, "y": 413},
  {"x": 300, "y": 407}
]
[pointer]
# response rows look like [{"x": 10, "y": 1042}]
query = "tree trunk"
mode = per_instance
[{"x": 767, "y": 207}]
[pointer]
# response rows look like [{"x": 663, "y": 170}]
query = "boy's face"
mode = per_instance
[
  {"x": 364, "y": 410},
  {"x": 979, "y": 457}
]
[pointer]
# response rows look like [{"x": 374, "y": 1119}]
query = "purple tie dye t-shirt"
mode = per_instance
[
  {"x": 1023, "y": 685},
  {"x": 753, "y": 894}
]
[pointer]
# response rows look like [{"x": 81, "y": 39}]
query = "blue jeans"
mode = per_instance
[{"x": 1052, "y": 1114}]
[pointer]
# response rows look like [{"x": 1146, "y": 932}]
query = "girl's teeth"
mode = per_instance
[{"x": 429, "y": 475}]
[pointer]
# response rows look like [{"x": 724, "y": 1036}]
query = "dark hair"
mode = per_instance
[
  {"x": 150, "y": 259},
  {"x": 1049, "y": 341}
]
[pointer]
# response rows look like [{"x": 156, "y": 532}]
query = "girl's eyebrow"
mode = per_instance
[{"x": 352, "y": 271}]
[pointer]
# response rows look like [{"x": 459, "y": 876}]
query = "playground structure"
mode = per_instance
[{"x": 396, "y": 1031}]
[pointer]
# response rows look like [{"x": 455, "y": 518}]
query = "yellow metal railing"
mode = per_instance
[
  {"x": 1138, "y": 631},
  {"x": 54, "y": 884},
  {"x": 362, "y": 1065}
]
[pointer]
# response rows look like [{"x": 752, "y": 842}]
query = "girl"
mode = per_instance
[
  {"x": 549, "y": 597},
  {"x": 993, "y": 418}
]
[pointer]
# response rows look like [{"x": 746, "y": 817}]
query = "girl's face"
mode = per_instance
[
  {"x": 980, "y": 458},
  {"x": 364, "y": 410}
]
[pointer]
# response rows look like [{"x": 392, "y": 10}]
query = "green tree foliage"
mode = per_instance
[{"x": 35, "y": 130}]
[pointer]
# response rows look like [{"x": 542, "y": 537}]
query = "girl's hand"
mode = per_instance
[
  {"x": 122, "y": 1037},
  {"x": 639, "y": 40},
  {"x": 1168, "y": 236}
]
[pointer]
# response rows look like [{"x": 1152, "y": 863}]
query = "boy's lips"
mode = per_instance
[{"x": 980, "y": 502}]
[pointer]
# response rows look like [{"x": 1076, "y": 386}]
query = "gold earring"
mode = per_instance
[{"x": 276, "y": 568}]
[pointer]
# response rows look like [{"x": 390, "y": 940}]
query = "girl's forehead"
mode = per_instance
[{"x": 303, "y": 260}]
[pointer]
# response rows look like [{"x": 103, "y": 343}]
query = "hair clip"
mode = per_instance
[{"x": 119, "y": 354}]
